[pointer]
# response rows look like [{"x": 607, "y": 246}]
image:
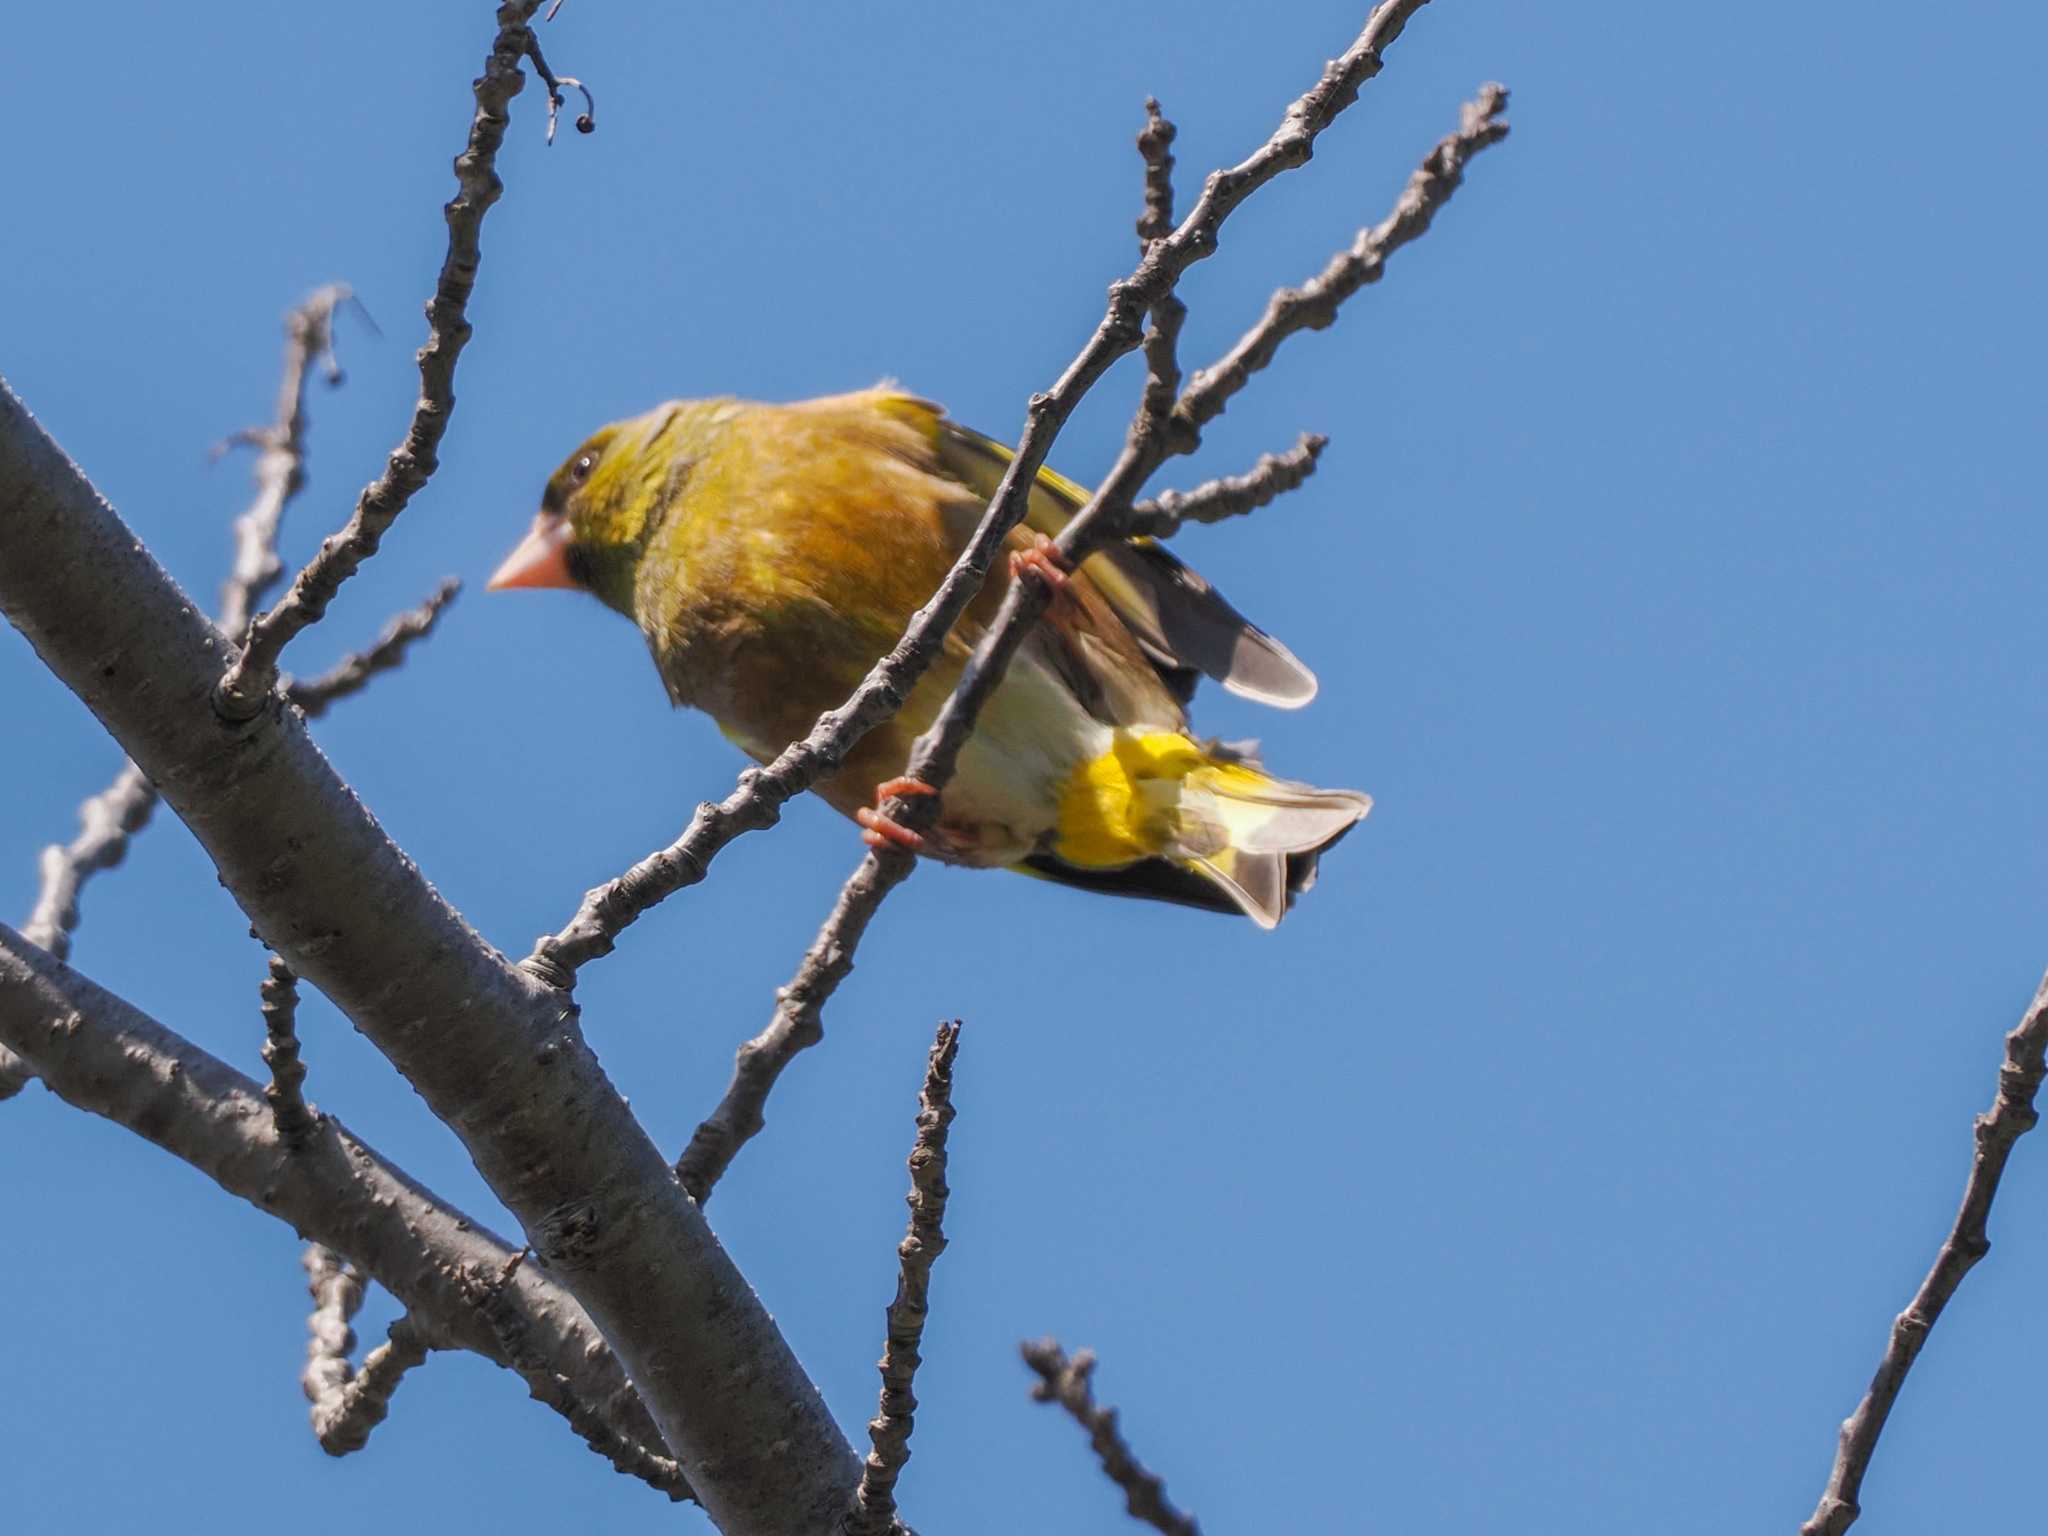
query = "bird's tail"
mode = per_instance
[{"x": 1205, "y": 809}]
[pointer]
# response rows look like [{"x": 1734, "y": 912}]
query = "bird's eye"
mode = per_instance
[{"x": 580, "y": 470}]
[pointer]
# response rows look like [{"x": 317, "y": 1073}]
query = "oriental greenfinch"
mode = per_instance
[{"x": 770, "y": 553}]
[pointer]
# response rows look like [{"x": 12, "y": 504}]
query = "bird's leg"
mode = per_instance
[
  {"x": 880, "y": 829},
  {"x": 1044, "y": 559}
]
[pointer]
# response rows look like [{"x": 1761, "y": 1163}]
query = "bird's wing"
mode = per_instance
[{"x": 1184, "y": 625}]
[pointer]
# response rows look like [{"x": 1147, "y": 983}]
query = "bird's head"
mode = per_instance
[{"x": 602, "y": 509}]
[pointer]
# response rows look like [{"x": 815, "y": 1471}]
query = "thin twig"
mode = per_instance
[
  {"x": 1162, "y": 516},
  {"x": 106, "y": 823},
  {"x": 797, "y": 1022},
  {"x": 353, "y": 673},
  {"x": 587, "y": 122},
  {"x": 280, "y": 471},
  {"x": 796, "y": 1026},
  {"x": 1314, "y": 305},
  {"x": 873, "y": 1510},
  {"x": 337, "y": 1289},
  {"x": 1066, "y": 1381},
  {"x": 1155, "y": 146},
  {"x": 284, "y": 1092},
  {"x": 2010, "y": 1117},
  {"x": 756, "y": 803},
  {"x": 347, "y": 1403},
  {"x": 248, "y": 681},
  {"x": 366, "y": 1400},
  {"x": 1167, "y": 314}
]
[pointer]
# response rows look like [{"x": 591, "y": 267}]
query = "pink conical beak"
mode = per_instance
[{"x": 541, "y": 560}]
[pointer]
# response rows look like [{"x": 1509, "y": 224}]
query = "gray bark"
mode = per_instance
[{"x": 498, "y": 1056}]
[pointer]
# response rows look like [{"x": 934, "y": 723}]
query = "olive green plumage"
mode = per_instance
[{"x": 770, "y": 553}]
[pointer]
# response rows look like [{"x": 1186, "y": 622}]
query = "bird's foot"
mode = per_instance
[
  {"x": 878, "y": 829},
  {"x": 1044, "y": 560}
]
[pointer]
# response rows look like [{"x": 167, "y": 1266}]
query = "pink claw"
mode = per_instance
[
  {"x": 880, "y": 829},
  {"x": 1044, "y": 559}
]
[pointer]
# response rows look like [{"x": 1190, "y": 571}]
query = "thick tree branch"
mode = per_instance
[
  {"x": 247, "y": 681},
  {"x": 498, "y": 1057},
  {"x": 607, "y": 910},
  {"x": 2010, "y": 1117},
  {"x": 797, "y": 1022},
  {"x": 101, "y": 1055},
  {"x": 111, "y": 818},
  {"x": 1067, "y": 1381},
  {"x": 873, "y": 1511}
]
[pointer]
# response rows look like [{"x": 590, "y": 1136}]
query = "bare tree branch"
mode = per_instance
[
  {"x": 102, "y": 1055},
  {"x": 366, "y": 1400},
  {"x": 1067, "y": 1381},
  {"x": 598, "y": 1424},
  {"x": 797, "y": 1022},
  {"x": 1168, "y": 314},
  {"x": 347, "y": 1403},
  {"x": 1155, "y": 146},
  {"x": 248, "y": 680},
  {"x": 1314, "y": 305},
  {"x": 111, "y": 818},
  {"x": 106, "y": 823},
  {"x": 328, "y": 891},
  {"x": 337, "y": 1289},
  {"x": 1162, "y": 516},
  {"x": 756, "y": 803},
  {"x": 2010, "y": 1117},
  {"x": 873, "y": 1511},
  {"x": 353, "y": 672},
  {"x": 280, "y": 471},
  {"x": 288, "y": 1109}
]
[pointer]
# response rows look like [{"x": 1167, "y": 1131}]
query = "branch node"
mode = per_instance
[{"x": 289, "y": 1112}]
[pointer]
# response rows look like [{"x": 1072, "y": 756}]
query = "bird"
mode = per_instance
[{"x": 770, "y": 553}]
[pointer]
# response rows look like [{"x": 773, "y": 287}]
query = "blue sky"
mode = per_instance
[{"x": 1672, "y": 577}]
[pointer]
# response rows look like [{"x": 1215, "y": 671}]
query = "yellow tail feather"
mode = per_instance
[{"x": 1161, "y": 794}]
